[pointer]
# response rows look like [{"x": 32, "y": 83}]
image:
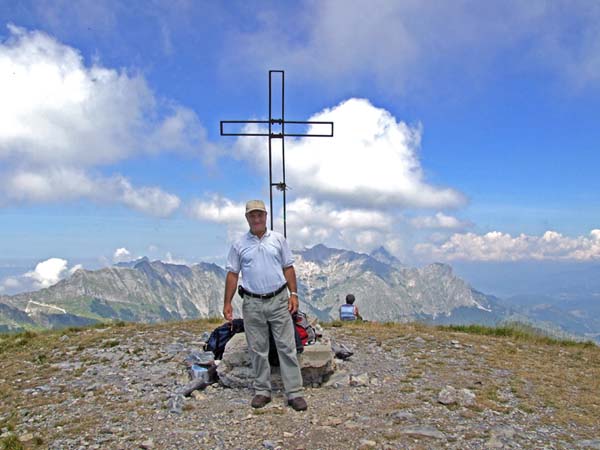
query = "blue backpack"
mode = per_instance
[{"x": 221, "y": 335}]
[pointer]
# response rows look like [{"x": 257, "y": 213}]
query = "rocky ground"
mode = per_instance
[{"x": 406, "y": 387}]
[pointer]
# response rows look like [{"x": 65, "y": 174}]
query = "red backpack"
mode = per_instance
[{"x": 304, "y": 329}]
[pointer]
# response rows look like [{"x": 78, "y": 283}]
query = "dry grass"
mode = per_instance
[
  {"x": 558, "y": 379},
  {"x": 27, "y": 360}
]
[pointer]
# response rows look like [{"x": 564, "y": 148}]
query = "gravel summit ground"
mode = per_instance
[{"x": 406, "y": 387}]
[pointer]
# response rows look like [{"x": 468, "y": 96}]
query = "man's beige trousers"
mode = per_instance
[{"x": 259, "y": 315}]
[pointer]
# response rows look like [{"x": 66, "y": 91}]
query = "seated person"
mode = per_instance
[{"x": 349, "y": 311}]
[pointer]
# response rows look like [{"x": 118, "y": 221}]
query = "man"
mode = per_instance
[
  {"x": 264, "y": 259},
  {"x": 349, "y": 311}
]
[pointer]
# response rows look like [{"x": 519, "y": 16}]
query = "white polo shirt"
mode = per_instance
[{"x": 261, "y": 261}]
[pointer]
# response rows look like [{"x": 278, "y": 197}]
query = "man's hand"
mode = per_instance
[
  {"x": 230, "y": 285},
  {"x": 228, "y": 312},
  {"x": 293, "y": 303},
  {"x": 290, "y": 276}
]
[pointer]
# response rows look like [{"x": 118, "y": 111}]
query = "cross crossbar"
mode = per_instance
[
  {"x": 277, "y": 122},
  {"x": 280, "y": 122}
]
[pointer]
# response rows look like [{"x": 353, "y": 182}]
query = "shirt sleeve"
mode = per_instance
[
  {"x": 287, "y": 259},
  {"x": 233, "y": 260}
]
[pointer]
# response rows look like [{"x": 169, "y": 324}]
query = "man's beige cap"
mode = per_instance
[{"x": 255, "y": 205}]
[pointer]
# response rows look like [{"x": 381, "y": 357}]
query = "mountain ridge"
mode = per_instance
[{"x": 153, "y": 291}]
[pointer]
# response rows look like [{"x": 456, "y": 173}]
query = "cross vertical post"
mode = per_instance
[{"x": 280, "y": 121}]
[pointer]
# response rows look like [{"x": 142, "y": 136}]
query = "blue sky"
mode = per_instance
[{"x": 466, "y": 131}]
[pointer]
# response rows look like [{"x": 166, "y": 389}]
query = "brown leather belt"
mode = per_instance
[{"x": 243, "y": 292}]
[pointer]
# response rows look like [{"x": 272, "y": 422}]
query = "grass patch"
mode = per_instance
[
  {"x": 12, "y": 442},
  {"x": 41, "y": 358},
  {"x": 518, "y": 331},
  {"x": 110, "y": 343},
  {"x": 491, "y": 394},
  {"x": 16, "y": 340},
  {"x": 73, "y": 330},
  {"x": 79, "y": 371},
  {"x": 414, "y": 374},
  {"x": 350, "y": 323},
  {"x": 9, "y": 422},
  {"x": 393, "y": 435},
  {"x": 216, "y": 319}
]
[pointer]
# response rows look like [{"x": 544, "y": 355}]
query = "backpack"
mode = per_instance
[
  {"x": 304, "y": 329},
  {"x": 304, "y": 334},
  {"x": 221, "y": 335}
]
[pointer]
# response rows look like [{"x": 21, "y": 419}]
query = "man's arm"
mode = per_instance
[
  {"x": 231, "y": 281},
  {"x": 358, "y": 316},
  {"x": 290, "y": 276}
]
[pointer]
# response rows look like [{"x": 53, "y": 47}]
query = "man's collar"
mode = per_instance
[{"x": 267, "y": 233}]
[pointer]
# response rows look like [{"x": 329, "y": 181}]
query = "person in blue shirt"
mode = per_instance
[
  {"x": 266, "y": 264},
  {"x": 349, "y": 311}
]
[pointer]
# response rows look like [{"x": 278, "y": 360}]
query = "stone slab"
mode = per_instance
[{"x": 235, "y": 369}]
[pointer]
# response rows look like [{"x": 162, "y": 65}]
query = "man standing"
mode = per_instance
[{"x": 266, "y": 264}]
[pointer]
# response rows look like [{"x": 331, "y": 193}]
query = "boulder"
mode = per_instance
[
  {"x": 235, "y": 368},
  {"x": 449, "y": 396}
]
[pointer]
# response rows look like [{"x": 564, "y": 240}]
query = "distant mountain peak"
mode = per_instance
[
  {"x": 439, "y": 269},
  {"x": 133, "y": 263},
  {"x": 381, "y": 250},
  {"x": 381, "y": 254},
  {"x": 320, "y": 253}
]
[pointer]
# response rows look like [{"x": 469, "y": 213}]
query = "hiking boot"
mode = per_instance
[
  {"x": 259, "y": 401},
  {"x": 298, "y": 404}
]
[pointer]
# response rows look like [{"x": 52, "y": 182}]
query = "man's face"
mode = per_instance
[{"x": 257, "y": 220}]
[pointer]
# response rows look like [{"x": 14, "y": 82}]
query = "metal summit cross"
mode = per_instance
[{"x": 277, "y": 131}]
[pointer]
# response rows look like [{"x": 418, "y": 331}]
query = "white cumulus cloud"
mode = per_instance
[
  {"x": 223, "y": 211},
  {"x": 372, "y": 161},
  {"x": 65, "y": 183},
  {"x": 45, "y": 274},
  {"x": 439, "y": 220},
  {"x": 75, "y": 268},
  {"x": 309, "y": 222},
  {"x": 48, "y": 272},
  {"x": 151, "y": 200},
  {"x": 55, "y": 109},
  {"x": 121, "y": 254},
  {"x": 169, "y": 259},
  {"x": 355, "y": 187},
  {"x": 498, "y": 246},
  {"x": 307, "y": 210},
  {"x": 218, "y": 209},
  {"x": 61, "y": 117}
]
